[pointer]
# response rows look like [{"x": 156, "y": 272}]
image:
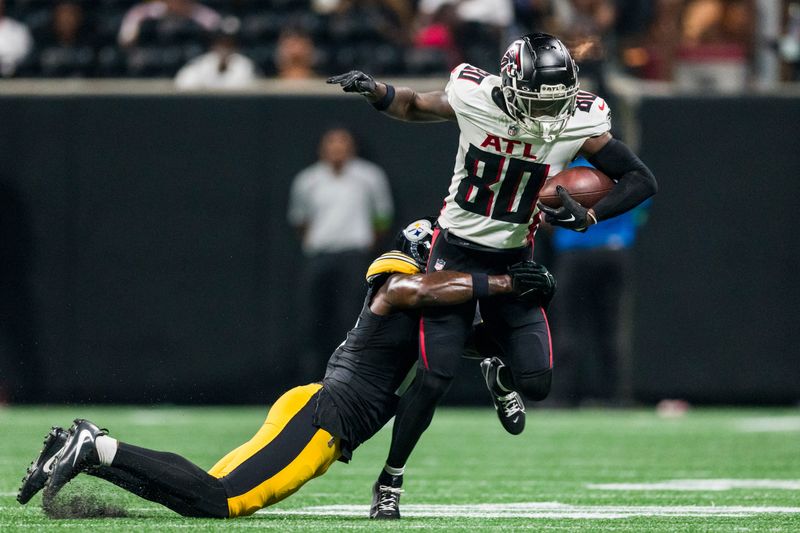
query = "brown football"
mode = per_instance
[{"x": 587, "y": 185}]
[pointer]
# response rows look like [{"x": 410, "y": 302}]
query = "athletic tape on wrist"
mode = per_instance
[
  {"x": 386, "y": 101},
  {"x": 480, "y": 286}
]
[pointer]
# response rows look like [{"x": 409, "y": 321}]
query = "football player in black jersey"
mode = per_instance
[{"x": 308, "y": 427}]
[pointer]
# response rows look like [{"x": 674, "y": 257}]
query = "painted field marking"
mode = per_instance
[
  {"x": 702, "y": 485},
  {"x": 769, "y": 424},
  {"x": 540, "y": 510}
]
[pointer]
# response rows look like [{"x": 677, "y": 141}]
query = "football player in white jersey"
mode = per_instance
[{"x": 517, "y": 129}]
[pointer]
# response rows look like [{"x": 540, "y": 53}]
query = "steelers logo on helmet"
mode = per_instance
[
  {"x": 418, "y": 230},
  {"x": 415, "y": 240}
]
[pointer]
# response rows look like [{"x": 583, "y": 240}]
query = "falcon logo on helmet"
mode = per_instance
[
  {"x": 539, "y": 84},
  {"x": 510, "y": 63}
]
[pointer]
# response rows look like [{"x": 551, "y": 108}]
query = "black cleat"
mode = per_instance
[
  {"x": 508, "y": 403},
  {"x": 41, "y": 467},
  {"x": 77, "y": 455},
  {"x": 385, "y": 502}
]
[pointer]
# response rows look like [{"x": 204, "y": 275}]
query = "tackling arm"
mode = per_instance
[{"x": 402, "y": 291}]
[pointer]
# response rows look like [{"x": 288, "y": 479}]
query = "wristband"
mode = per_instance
[
  {"x": 386, "y": 101},
  {"x": 480, "y": 286}
]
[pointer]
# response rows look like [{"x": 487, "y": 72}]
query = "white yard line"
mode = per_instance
[
  {"x": 769, "y": 424},
  {"x": 541, "y": 510},
  {"x": 702, "y": 485},
  {"x": 531, "y": 510}
]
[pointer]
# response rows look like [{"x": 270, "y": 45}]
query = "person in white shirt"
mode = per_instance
[
  {"x": 15, "y": 43},
  {"x": 203, "y": 16},
  {"x": 340, "y": 206},
  {"x": 222, "y": 67}
]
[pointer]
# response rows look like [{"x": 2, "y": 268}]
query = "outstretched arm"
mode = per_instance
[
  {"x": 527, "y": 280},
  {"x": 402, "y": 291},
  {"x": 402, "y": 103}
]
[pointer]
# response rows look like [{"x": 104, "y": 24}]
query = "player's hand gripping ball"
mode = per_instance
[
  {"x": 532, "y": 282},
  {"x": 355, "y": 81},
  {"x": 585, "y": 185},
  {"x": 570, "y": 215}
]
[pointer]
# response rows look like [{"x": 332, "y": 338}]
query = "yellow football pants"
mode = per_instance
[{"x": 286, "y": 452}]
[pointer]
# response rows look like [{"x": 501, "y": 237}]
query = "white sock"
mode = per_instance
[
  {"x": 394, "y": 471},
  {"x": 497, "y": 379},
  {"x": 106, "y": 449}
]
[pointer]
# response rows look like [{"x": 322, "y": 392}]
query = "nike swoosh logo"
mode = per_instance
[
  {"x": 570, "y": 219},
  {"x": 602, "y": 105},
  {"x": 515, "y": 420},
  {"x": 83, "y": 437},
  {"x": 47, "y": 467}
]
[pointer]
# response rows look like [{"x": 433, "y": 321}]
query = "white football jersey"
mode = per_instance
[{"x": 499, "y": 168}]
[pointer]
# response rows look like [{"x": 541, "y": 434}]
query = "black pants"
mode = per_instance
[
  {"x": 591, "y": 317},
  {"x": 330, "y": 297},
  {"x": 521, "y": 331}
]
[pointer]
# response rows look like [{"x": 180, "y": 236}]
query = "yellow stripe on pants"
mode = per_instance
[{"x": 316, "y": 456}]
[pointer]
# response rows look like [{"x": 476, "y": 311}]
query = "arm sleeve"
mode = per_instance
[{"x": 635, "y": 182}]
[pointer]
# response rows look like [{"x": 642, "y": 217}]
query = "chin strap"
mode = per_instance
[{"x": 500, "y": 101}]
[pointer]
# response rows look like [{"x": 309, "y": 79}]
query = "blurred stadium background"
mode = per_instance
[{"x": 146, "y": 253}]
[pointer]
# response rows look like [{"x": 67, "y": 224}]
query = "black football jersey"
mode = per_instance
[{"x": 360, "y": 388}]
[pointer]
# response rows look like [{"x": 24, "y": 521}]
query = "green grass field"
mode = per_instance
[{"x": 588, "y": 470}]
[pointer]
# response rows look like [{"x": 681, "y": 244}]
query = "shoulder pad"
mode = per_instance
[
  {"x": 392, "y": 262},
  {"x": 592, "y": 116}
]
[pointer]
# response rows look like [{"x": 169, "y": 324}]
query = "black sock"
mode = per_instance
[
  {"x": 168, "y": 479},
  {"x": 385, "y": 478}
]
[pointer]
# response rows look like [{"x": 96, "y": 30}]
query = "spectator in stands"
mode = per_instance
[
  {"x": 715, "y": 45},
  {"x": 15, "y": 43},
  {"x": 586, "y": 26},
  {"x": 481, "y": 27},
  {"x": 340, "y": 206},
  {"x": 439, "y": 33},
  {"x": 592, "y": 312},
  {"x": 164, "y": 10},
  {"x": 295, "y": 55},
  {"x": 223, "y": 67},
  {"x": 66, "y": 49},
  {"x": 789, "y": 42}
]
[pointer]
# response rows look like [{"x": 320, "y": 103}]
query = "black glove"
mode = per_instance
[
  {"x": 532, "y": 283},
  {"x": 570, "y": 215},
  {"x": 355, "y": 81}
]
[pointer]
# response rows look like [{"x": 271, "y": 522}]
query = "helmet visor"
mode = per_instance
[{"x": 534, "y": 107}]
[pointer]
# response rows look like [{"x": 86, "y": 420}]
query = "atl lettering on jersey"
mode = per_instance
[{"x": 499, "y": 168}]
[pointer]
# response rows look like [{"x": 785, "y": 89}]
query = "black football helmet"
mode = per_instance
[
  {"x": 415, "y": 240},
  {"x": 539, "y": 84}
]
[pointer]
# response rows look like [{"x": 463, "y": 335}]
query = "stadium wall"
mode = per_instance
[{"x": 148, "y": 254}]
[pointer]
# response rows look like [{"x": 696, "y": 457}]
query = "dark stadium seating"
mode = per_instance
[{"x": 364, "y": 37}]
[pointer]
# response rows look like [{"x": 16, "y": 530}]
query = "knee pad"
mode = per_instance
[
  {"x": 536, "y": 386},
  {"x": 431, "y": 385}
]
